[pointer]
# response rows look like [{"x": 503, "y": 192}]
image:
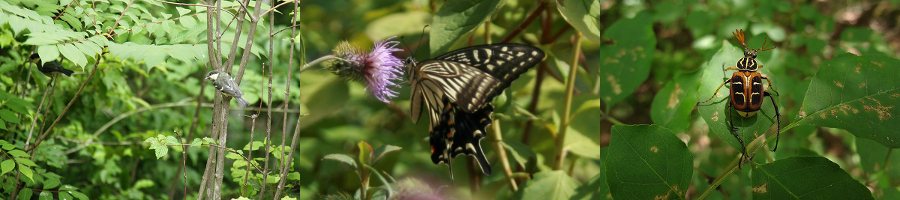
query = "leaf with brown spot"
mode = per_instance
[
  {"x": 868, "y": 111},
  {"x": 621, "y": 67},
  {"x": 805, "y": 178},
  {"x": 673, "y": 104}
]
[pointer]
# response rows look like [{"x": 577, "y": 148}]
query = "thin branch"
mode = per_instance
[
  {"x": 37, "y": 113},
  {"x": 247, "y": 47},
  {"x": 44, "y": 135},
  {"x": 229, "y": 62},
  {"x": 269, "y": 104},
  {"x": 287, "y": 101},
  {"x": 276, "y": 7},
  {"x": 534, "y": 13},
  {"x": 504, "y": 160},
  {"x": 567, "y": 110}
]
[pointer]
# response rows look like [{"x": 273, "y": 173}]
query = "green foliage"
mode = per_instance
[
  {"x": 454, "y": 20},
  {"x": 819, "y": 178},
  {"x": 858, "y": 94},
  {"x": 633, "y": 133},
  {"x": 647, "y": 161}
]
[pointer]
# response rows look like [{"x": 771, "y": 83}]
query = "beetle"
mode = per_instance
[{"x": 746, "y": 90}]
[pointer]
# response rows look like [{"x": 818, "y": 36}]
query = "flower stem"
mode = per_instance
[
  {"x": 316, "y": 61},
  {"x": 570, "y": 88}
]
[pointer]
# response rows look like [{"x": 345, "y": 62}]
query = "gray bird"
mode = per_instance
[{"x": 226, "y": 85}]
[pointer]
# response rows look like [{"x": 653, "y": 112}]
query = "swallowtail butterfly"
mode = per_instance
[{"x": 457, "y": 88}]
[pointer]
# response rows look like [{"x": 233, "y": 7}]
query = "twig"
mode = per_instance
[
  {"x": 249, "y": 45},
  {"x": 276, "y": 7},
  {"x": 44, "y": 135},
  {"x": 287, "y": 99},
  {"x": 534, "y": 13},
  {"x": 269, "y": 114},
  {"x": 566, "y": 117},
  {"x": 504, "y": 160},
  {"x": 37, "y": 114},
  {"x": 229, "y": 62}
]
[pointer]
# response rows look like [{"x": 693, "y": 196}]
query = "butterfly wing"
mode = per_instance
[
  {"x": 435, "y": 79},
  {"x": 504, "y": 62},
  {"x": 459, "y": 132}
]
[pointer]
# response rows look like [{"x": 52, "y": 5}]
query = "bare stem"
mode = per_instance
[
  {"x": 504, "y": 160},
  {"x": 566, "y": 117}
]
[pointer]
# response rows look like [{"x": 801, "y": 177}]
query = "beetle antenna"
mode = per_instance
[
  {"x": 739, "y": 34},
  {"x": 763, "y": 48}
]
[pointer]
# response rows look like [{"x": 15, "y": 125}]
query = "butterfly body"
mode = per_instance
[{"x": 457, "y": 88}]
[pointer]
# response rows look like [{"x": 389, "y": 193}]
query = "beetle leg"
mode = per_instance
[
  {"x": 731, "y": 68},
  {"x": 714, "y": 93},
  {"x": 769, "y": 81},
  {"x": 735, "y": 133},
  {"x": 777, "y": 119}
]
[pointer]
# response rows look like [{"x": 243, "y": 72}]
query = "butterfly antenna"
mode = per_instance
[{"x": 421, "y": 36}]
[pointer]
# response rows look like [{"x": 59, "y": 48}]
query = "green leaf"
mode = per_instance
[
  {"x": 19, "y": 153},
  {"x": 68, "y": 188},
  {"x": 365, "y": 152},
  {"x": 456, "y": 18},
  {"x": 518, "y": 151},
  {"x": 26, "y": 171},
  {"x": 623, "y": 66},
  {"x": 548, "y": 185},
  {"x": 48, "y": 53},
  {"x": 341, "y": 158},
  {"x": 672, "y": 106},
  {"x": 50, "y": 182},
  {"x": 714, "y": 112},
  {"x": 64, "y": 196},
  {"x": 25, "y": 194},
  {"x": 383, "y": 150},
  {"x": 584, "y": 15},
  {"x": 805, "y": 178},
  {"x": 647, "y": 162},
  {"x": 7, "y": 166},
  {"x": 79, "y": 195},
  {"x": 45, "y": 195},
  {"x": 26, "y": 162},
  {"x": 72, "y": 54},
  {"x": 858, "y": 94}
]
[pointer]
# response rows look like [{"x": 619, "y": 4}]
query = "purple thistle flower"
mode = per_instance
[{"x": 379, "y": 68}]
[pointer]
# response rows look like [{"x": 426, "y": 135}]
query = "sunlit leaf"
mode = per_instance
[
  {"x": 860, "y": 94},
  {"x": 584, "y": 15}
]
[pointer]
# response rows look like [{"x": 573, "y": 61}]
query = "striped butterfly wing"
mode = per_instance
[
  {"x": 504, "y": 62},
  {"x": 456, "y": 88}
]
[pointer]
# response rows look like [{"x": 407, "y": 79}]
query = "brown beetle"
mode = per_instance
[{"x": 746, "y": 90}]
